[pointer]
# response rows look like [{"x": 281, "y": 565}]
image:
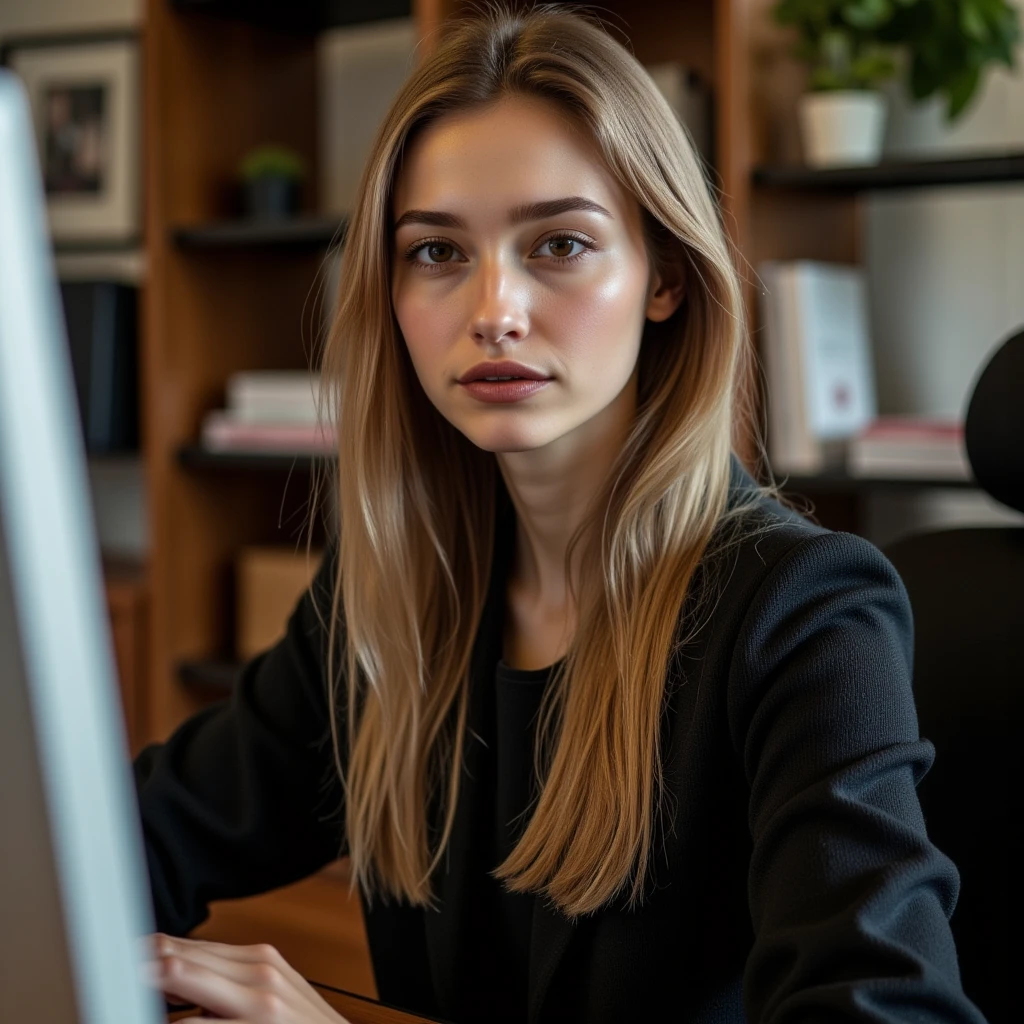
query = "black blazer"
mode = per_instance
[{"x": 794, "y": 880}]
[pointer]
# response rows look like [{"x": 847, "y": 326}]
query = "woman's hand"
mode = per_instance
[{"x": 240, "y": 984}]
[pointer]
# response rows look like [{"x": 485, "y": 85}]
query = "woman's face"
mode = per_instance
[{"x": 514, "y": 242}]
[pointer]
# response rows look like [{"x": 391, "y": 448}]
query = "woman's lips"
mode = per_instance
[{"x": 504, "y": 390}]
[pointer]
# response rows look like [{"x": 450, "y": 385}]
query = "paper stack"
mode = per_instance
[
  {"x": 269, "y": 411},
  {"x": 910, "y": 446}
]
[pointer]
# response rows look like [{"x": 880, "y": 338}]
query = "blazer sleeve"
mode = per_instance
[
  {"x": 850, "y": 901},
  {"x": 244, "y": 796}
]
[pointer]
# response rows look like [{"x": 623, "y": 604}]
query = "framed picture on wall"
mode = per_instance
[{"x": 84, "y": 95}]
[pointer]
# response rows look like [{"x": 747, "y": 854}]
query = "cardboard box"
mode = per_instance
[{"x": 270, "y": 581}]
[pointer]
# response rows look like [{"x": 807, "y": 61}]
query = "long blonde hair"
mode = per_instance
[{"x": 416, "y": 501}]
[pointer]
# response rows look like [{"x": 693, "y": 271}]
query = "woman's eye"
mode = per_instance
[
  {"x": 435, "y": 252},
  {"x": 561, "y": 247}
]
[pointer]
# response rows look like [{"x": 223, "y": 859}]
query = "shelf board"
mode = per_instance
[
  {"x": 98, "y": 247},
  {"x": 195, "y": 456},
  {"x": 304, "y": 232},
  {"x": 892, "y": 174},
  {"x": 212, "y": 677},
  {"x": 838, "y": 481},
  {"x": 299, "y": 15},
  {"x": 833, "y": 481}
]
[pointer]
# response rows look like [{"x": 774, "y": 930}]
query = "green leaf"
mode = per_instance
[
  {"x": 805, "y": 51},
  {"x": 922, "y": 80},
  {"x": 949, "y": 44},
  {"x": 827, "y": 80},
  {"x": 874, "y": 68},
  {"x": 835, "y": 48},
  {"x": 272, "y": 161},
  {"x": 972, "y": 23},
  {"x": 960, "y": 90},
  {"x": 866, "y": 14}
]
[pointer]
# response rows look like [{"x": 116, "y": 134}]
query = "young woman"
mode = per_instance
[{"x": 608, "y": 733}]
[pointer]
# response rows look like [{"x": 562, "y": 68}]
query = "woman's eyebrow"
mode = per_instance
[{"x": 517, "y": 215}]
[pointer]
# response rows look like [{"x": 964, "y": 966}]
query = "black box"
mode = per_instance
[{"x": 102, "y": 325}]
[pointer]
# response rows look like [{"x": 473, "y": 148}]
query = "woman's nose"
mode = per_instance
[{"x": 499, "y": 305}]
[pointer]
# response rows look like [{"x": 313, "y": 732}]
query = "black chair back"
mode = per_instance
[{"x": 966, "y": 588}]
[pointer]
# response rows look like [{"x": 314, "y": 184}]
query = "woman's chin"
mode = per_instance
[{"x": 507, "y": 440}]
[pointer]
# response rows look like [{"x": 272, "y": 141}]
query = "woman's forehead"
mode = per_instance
[{"x": 517, "y": 151}]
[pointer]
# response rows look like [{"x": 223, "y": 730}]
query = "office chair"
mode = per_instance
[{"x": 966, "y": 589}]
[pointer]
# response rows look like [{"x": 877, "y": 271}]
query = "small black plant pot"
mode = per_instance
[{"x": 271, "y": 198}]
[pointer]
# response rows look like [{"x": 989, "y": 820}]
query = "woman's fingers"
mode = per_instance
[
  {"x": 161, "y": 944},
  {"x": 244, "y": 970},
  {"x": 269, "y": 982},
  {"x": 189, "y": 980},
  {"x": 258, "y": 966}
]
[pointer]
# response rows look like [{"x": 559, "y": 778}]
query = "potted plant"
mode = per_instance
[
  {"x": 852, "y": 47},
  {"x": 272, "y": 179},
  {"x": 842, "y": 116},
  {"x": 948, "y": 44}
]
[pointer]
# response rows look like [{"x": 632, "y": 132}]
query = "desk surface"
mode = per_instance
[{"x": 355, "y": 1009}]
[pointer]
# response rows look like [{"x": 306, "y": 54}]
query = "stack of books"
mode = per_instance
[
  {"x": 910, "y": 446},
  {"x": 273, "y": 411},
  {"x": 816, "y": 346}
]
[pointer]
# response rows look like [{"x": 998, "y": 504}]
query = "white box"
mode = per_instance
[{"x": 360, "y": 69}]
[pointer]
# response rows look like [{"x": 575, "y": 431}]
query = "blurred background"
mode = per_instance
[{"x": 200, "y": 157}]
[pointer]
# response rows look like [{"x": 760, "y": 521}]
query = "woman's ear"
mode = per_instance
[{"x": 666, "y": 291}]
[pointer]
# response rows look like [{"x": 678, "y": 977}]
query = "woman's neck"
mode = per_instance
[{"x": 553, "y": 489}]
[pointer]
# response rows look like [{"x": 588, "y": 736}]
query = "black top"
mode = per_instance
[
  {"x": 504, "y": 919},
  {"x": 793, "y": 879}
]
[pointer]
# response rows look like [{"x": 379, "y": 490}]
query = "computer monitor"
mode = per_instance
[{"x": 74, "y": 898}]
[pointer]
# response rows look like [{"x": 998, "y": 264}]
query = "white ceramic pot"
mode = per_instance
[{"x": 842, "y": 128}]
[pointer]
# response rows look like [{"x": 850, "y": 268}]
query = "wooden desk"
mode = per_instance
[
  {"x": 359, "y": 1010},
  {"x": 355, "y": 1009}
]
